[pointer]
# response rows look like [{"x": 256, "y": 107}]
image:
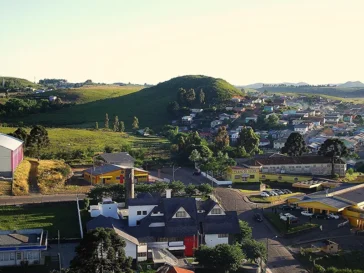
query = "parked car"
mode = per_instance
[
  {"x": 257, "y": 217},
  {"x": 287, "y": 191},
  {"x": 321, "y": 216},
  {"x": 286, "y": 207},
  {"x": 288, "y": 216},
  {"x": 196, "y": 173},
  {"x": 273, "y": 193},
  {"x": 264, "y": 194},
  {"x": 278, "y": 192},
  {"x": 333, "y": 216},
  {"x": 306, "y": 213}
]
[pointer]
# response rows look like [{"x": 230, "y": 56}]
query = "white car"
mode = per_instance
[
  {"x": 333, "y": 216},
  {"x": 306, "y": 213},
  {"x": 264, "y": 194},
  {"x": 285, "y": 216}
]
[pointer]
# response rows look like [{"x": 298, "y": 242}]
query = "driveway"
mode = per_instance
[{"x": 280, "y": 260}]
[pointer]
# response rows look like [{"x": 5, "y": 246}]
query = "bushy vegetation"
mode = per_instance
[
  {"x": 21, "y": 178},
  {"x": 16, "y": 83},
  {"x": 52, "y": 175}
]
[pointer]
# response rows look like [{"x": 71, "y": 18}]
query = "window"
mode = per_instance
[
  {"x": 142, "y": 254},
  {"x": 18, "y": 256},
  {"x": 222, "y": 235},
  {"x": 144, "y": 212},
  {"x": 252, "y": 176},
  {"x": 237, "y": 176},
  {"x": 31, "y": 255},
  {"x": 216, "y": 211},
  {"x": 161, "y": 239},
  {"x": 180, "y": 214},
  {"x": 245, "y": 179},
  {"x": 139, "y": 212},
  {"x": 138, "y": 222}
]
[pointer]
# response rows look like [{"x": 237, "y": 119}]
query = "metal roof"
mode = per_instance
[{"x": 10, "y": 142}]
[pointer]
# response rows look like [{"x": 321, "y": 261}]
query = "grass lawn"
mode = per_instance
[
  {"x": 51, "y": 217},
  {"x": 248, "y": 192},
  {"x": 270, "y": 199},
  {"x": 282, "y": 227}
]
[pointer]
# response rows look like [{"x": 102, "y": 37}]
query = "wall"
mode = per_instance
[
  {"x": 17, "y": 157},
  {"x": 133, "y": 217},
  {"x": 130, "y": 249},
  {"x": 212, "y": 240},
  {"x": 117, "y": 177},
  {"x": 109, "y": 210},
  {"x": 283, "y": 177},
  {"x": 5, "y": 160},
  {"x": 236, "y": 175}
]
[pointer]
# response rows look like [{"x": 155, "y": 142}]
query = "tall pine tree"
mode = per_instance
[
  {"x": 135, "y": 124},
  {"x": 106, "y": 121},
  {"x": 295, "y": 145},
  {"x": 116, "y": 124},
  {"x": 121, "y": 126}
]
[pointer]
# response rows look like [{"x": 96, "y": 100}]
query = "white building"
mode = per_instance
[
  {"x": 215, "y": 123},
  {"x": 196, "y": 111},
  {"x": 107, "y": 208},
  {"x": 11, "y": 154},
  {"x": 187, "y": 120},
  {"x": 301, "y": 128},
  {"x": 22, "y": 246},
  {"x": 279, "y": 143}
]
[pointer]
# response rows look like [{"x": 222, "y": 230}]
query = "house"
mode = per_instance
[
  {"x": 289, "y": 112},
  {"x": 253, "y": 118},
  {"x": 296, "y": 121},
  {"x": 301, "y": 128},
  {"x": 234, "y": 136},
  {"x": 224, "y": 117},
  {"x": 186, "y": 120},
  {"x": 268, "y": 108},
  {"x": 170, "y": 225},
  {"x": 229, "y": 108},
  {"x": 19, "y": 247},
  {"x": 122, "y": 158},
  {"x": 235, "y": 115},
  {"x": 348, "y": 200},
  {"x": 143, "y": 132},
  {"x": 258, "y": 101},
  {"x": 309, "y": 164},
  {"x": 240, "y": 174},
  {"x": 332, "y": 118},
  {"x": 283, "y": 122},
  {"x": 348, "y": 118},
  {"x": 239, "y": 109},
  {"x": 114, "y": 174},
  {"x": 279, "y": 143},
  {"x": 327, "y": 246},
  {"x": 237, "y": 99},
  {"x": 52, "y": 98},
  {"x": 264, "y": 142},
  {"x": 196, "y": 111},
  {"x": 279, "y": 101},
  {"x": 215, "y": 123},
  {"x": 11, "y": 154}
]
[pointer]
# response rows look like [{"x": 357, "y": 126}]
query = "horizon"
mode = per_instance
[{"x": 243, "y": 42}]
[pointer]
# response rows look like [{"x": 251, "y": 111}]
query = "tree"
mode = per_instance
[
  {"x": 116, "y": 124},
  {"x": 21, "y": 134},
  {"x": 176, "y": 187},
  {"x": 86, "y": 203},
  {"x": 195, "y": 157},
  {"x": 190, "y": 96},
  {"x": 221, "y": 258},
  {"x": 181, "y": 96},
  {"x": 122, "y": 126},
  {"x": 96, "y": 125},
  {"x": 273, "y": 119},
  {"x": 190, "y": 189},
  {"x": 245, "y": 232},
  {"x": 101, "y": 250},
  {"x": 222, "y": 139},
  {"x": 249, "y": 140},
  {"x": 173, "y": 108},
  {"x": 205, "y": 188},
  {"x": 333, "y": 148},
  {"x": 38, "y": 138},
  {"x": 106, "y": 121},
  {"x": 254, "y": 249},
  {"x": 350, "y": 171},
  {"x": 159, "y": 187},
  {"x": 201, "y": 97},
  {"x": 135, "y": 124},
  {"x": 295, "y": 145}
]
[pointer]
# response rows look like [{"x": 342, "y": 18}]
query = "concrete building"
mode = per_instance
[
  {"x": 240, "y": 174},
  {"x": 11, "y": 154},
  {"x": 18, "y": 247},
  {"x": 301, "y": 128},
  {"x": 279, "y": 143}
]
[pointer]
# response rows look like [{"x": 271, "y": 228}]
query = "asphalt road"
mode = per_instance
[
  {"x": 280, "y": 260},
  {"x": 30, "y": 199},
  {"x": 182, "y": 174}
]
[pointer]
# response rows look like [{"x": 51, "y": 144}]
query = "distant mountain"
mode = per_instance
[
  {"x": 16, "y": 83},
  {"x": 260, "y": 84},
  {"x": 351, "y": 84},
  {"x": 254, "y": 85}
]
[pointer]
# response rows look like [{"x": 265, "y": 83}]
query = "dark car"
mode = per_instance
[
  {"x": 286, "y": 207},
  {"x": 321, "y": 216},
  {"x": 196, "y": 173},
  {"x": 258, "y": 217},
  {"x": 360, "y": 232}
]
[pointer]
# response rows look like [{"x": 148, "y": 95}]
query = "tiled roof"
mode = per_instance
[{"x": 118, "y": 158}]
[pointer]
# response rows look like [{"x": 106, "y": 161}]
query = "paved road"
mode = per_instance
[
  {"x": 280, "y": 260},
  {"x": 183, "y": 174},
  {"x": 30, "y": 199}
]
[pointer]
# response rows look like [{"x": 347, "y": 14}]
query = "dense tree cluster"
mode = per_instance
[{"x": 295, "y": 145}]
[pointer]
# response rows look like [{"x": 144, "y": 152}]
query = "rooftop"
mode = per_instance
[
  {"x": 10, "y": 142},
  {"x": 21, "y": 237},
  {"x": 291, "y": 160},
  {"x": 118, "y": 158}
]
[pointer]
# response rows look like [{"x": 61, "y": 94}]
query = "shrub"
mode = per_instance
[
  {"x": 318, "y": 269},
  {"x": 21, "y": 178}
]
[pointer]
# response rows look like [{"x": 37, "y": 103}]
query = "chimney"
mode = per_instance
[
  {"x": 168, "y": 193},
  {"x": 129, "y": 183}
]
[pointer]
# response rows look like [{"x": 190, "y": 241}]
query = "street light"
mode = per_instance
[
  {"x": 174, "y": 170},
  {"x": 267, "y": 246}
]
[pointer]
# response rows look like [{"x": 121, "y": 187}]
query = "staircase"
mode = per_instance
[{"x": 160, "y": 254}]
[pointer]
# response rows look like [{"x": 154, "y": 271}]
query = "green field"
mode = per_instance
[
  {"x": 58, "y": 216},
  {"x": 148, "y": 104}
]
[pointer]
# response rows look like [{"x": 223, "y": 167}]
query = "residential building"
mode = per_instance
[
  {"x": 297, "y": 121},
  {"x": 172, "y": 225},
  {"x": 215, "y": 123},
  {"x": 240, "y": 174},
  {"x": 279, "y": 143},
  {"x": 186, "y": 120},
  {"x": 224, "y": 117},
  {"x": 289, "y": 112},
  {"x": 11, "y": 154},
  {"x": 234, "y": 136},
  {"x": 268, "y": 108},
  {"x": 196, "y": 111},
  {"x": 347, "y": 200},
  {"x": 332, "y": 118},
  {"x": 122, "y": 158},
  {"x": 239, "y": 109},
  {"x": 258, "y": 101},
  {"x": 18, "y": 247},
  {"x": 229, "y": 108},
  {"x": 348, "y": 118},
  {"x": 114, "y": 174},
  {"x": 283, "y": 122},
  {"x": 235, "y": 115},
  {"x": 253, "y": 118},
  {"x": 279, "y": 101},
  {"x": 301, "y": 128},
  {"x": 237, "y": 99},
  {"x": 310, "y": 164},
  {"x": 264, "y": 142}
]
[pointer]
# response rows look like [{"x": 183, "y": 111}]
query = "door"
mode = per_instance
[{"x": 190, "y": 243}]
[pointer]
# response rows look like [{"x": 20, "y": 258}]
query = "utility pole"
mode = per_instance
[
  {"x": 59, "y": 252},
  {"x": 174, "y": 170}
]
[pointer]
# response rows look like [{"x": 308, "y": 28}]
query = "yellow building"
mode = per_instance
[
  {"x": 239, "y": 174},
  {"x": 265, "y": 177},
  {"x": 347, "y": 200},
  {"x": 113, "y": 174}
]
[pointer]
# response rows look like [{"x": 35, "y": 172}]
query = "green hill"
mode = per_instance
[
  {"x": 16, "y": 83},
  {"x": 148, "y": 104}
]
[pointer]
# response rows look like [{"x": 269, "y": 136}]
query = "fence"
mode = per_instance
[{"x": 217, "y": 182}]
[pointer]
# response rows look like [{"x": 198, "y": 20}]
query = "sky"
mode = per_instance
[{"x": 150, "y": 41}]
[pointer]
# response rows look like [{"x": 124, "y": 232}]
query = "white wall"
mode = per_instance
[
  {"x": 133, "y": 217},
  {"x": 5, "y": 160},
  {"x": 130, "y": 249},
  {"x": 213, "y": 240},
  {"x": 109, "y": 210}
]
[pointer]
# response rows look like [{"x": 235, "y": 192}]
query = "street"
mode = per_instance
[
  {"x": 182, "y": 174},
  {"x": 280, "y": 260},
  {"x": 38, "y": 198}
]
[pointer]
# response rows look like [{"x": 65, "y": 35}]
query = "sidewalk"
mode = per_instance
[{"x": 38, "y": 198}]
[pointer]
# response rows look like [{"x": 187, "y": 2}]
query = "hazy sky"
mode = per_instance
[{"x": 317, "y": 41}]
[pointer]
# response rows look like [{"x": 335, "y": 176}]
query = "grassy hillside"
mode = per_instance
[
  {"x": 15, "y": 83},
  {"x": 353, "y": 92},
  {"x": 91, "y": 93},
  {"x": 148, "y": 104}
]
